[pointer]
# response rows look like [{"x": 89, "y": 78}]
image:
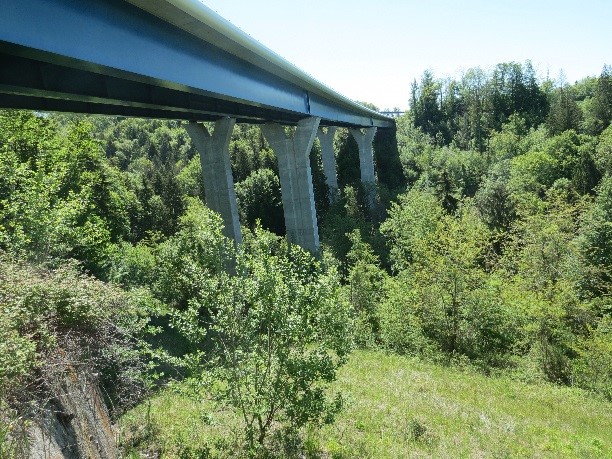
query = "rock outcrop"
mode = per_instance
[{"x": 74, "y": 423}]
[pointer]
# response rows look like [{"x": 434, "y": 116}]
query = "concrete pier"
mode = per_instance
[
  {"x": 293, "y": 153},
  {"x": 326, "y": 139},
  {"x": 217, "y": 172},
  {"x": 365, "y": 138}
]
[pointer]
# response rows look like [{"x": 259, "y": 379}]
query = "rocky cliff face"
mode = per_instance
[{"x": 74, "y": 423}]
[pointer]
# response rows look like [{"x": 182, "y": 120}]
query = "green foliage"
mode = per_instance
[
  {"x": 533, "y": 172},
  {"x": 280, "y": 333},
  {"x": 347, "y": 214},
  {"x": 133, "y": 266},
  {"x": 425, "y": 106},
  {"x": 365, "y": 290},
  {"x": 466, "y": 112},
  {"x": 259, "y": 199},
  {"x": 602, "y": 101},
  {"x": 128, "y": 140},
  {"x": 511, "y": 140},
  {"x": 593, "y": 368},
  {"x": 447, "y": 296},
  {"x": 421, "y": 409},
  {"x": 59, "y": 197},
  {"x": 248, "y": 152},
  {"x": 539, "y": 266},
  {"x": 401, "y": 328},
  {"x": 54, "y": 320},
  {"x": 565, "y": 114},
  {"x": 497, "y": 256},
  {"x": 595, "y": 242},
  {"x": 415, "y": 148},
  {"x": 190, "y": 178},
  {"x": 413, "y": 219},
  {"x": 495, "y": 201},
  {"x": 189, "y": 265},
  {"x": 603, "y": 152}
]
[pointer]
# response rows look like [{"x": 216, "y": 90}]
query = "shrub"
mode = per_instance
[
  {"x": 593, "y": 369},
  {"x": 279, "y": 332},
  {"x": 188, "y": 264},
  {"x": 365, "y": 290},
  {"x": 51, "y": 320}
]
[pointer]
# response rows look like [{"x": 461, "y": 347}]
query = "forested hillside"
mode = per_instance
[{"x": 489, "y": 249}]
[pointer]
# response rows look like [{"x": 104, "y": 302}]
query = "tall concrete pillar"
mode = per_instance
[
  {"x": 366, "y": 153},
  {"x": 217, "y": 172},
  {"x": 293, "y": 154},
  {"x": 326, "y": 138},
  {"x": 365, "y": 139}
]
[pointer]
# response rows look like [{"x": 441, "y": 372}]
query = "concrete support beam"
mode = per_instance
[
  {"x": 326, "y": 138},
  {"x": 293, "y": 154},
  {"x": 217, "y": 172},
  {"x": 364, "y": 139}
]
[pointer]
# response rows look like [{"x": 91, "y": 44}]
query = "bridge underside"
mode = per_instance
[
  {"x": 111, "y": 57},
  {"x": 35, "y": 80},
  {"x": 155, "y": 60}
]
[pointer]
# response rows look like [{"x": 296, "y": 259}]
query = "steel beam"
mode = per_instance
[{"x": 111, "y": 54}]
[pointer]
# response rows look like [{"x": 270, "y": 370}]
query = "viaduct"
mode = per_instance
[{"x": 178, "y": 59}]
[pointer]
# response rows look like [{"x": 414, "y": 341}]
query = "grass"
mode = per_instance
[{"x": 403, "y": 408}]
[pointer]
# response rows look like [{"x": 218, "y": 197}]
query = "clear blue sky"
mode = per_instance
[{"x": 372, "y": 50}]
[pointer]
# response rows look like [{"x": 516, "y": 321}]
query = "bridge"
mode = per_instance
[
  {"x": 393, "y": 113},
  {"x": 178, "y": 59}
]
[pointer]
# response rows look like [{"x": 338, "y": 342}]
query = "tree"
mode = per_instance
[
  {"x": 425, "y": 106},
  {"x": 514, "y": 89},
  {"x": 412, "y": 219},
  {"x": 595, "y": 242},
  {"x": 60, "y": 197},
  {"x": 602, "y": 100},
  {"x": 259, "y": 199},
  {"x": 365, "y": 290},
  {"x": 443, "y": 291},
  {"x": 565, "y": 114},
  {"x": 510, "y": 141},
  {"x": 475, "y": 120},
  {"x": 603, "y": 152},
  {"x": 494, "y": 200},
  {"x": 538, "y": 267},
  {"x": 190, "y": 264}
]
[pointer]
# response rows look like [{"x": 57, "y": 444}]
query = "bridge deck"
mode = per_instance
[{"x": 177, "y": 59}]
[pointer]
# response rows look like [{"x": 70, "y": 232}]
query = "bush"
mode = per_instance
[
  {"x": 401, "y": 330},
  {"x": 593, "y": 369},
  {"x": 443, "y": 298},
  {"x": 365, "y": 290},
  {"x": 188, "y": 264},
  {"x": 279, "y": 332},
  {"x": 54, "y": 320}
]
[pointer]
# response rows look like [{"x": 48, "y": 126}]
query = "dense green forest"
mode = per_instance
[{"x": 489, "y": 249}]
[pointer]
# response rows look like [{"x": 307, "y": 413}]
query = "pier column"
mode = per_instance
[
  {"x": 293, "y": 153},
  {"x": 217, "y": 172},
  {"x": 326, "y": 138},
  {"x": 365, "y": 138}
]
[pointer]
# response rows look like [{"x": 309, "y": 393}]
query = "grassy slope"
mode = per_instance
[{"x": 402, "y": 408}]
